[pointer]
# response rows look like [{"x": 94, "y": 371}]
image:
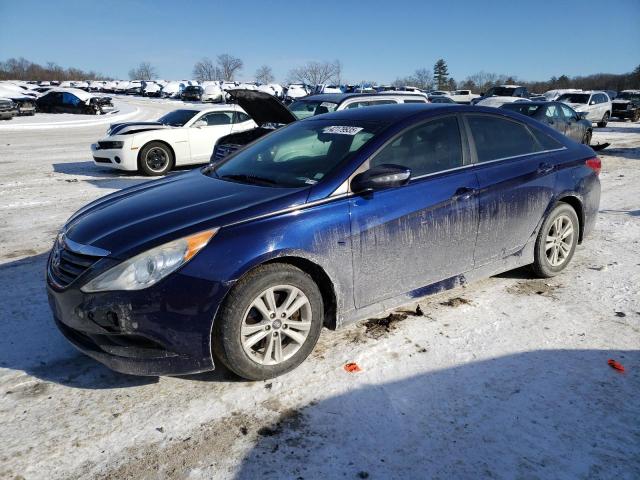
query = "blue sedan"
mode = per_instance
[{"x": 323, "y": 222}]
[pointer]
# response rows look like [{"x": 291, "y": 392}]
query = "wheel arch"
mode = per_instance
[
  {"x": 318, "y": 273},
  {"x": 155, "y": 140},
  {"x": 576, "y": 203}
]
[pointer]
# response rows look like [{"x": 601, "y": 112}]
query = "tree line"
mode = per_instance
[{"x": 23, "y": 69}]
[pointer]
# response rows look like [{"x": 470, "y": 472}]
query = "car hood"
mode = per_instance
[
  {"x": 262, "y": 107},
  {"x": 578, "y": 106},
  {"x": 127, "y": 128},
  {"x": 497, "y": 101},
  {"x": 141, "y": 217}
]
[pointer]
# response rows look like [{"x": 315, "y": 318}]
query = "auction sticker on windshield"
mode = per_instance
[{"x": 344, "y": 130}]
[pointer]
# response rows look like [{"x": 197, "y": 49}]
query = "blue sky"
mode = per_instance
[{"x": 374, "y": 40}]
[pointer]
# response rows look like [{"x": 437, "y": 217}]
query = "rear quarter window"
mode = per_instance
[{"x": 496, "y": 138}]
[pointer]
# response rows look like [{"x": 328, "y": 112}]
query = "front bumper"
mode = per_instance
[
  {"x": 623, "y": 113},
  {"x": 162, "y": 330},
  {"x": 120, "y": 158}
]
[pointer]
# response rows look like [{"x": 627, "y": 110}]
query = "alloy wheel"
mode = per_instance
[
  {"x": 276, "y": 325},
  {"x": 559, "y": 241},
  {"x": 157, "y": 159}
]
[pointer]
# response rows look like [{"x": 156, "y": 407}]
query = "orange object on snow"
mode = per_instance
[
  {"x": 352, "y": 367},
  {"x": 613, "y": 364}
]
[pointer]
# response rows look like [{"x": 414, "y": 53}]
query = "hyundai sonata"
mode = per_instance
[{"x": 325, "y": 221}]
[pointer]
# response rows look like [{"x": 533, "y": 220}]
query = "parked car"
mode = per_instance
[
  {"x": 135, "y": 88},
  {"x": 212, "y": 93},
  {"x": 553, "y": 95},
  {"x": 441, "y": 99},
  {"x": 151, "y": 89},
  {"x": 596, "y": 105},
  {"x": 181, "y": 137},
  {"x": 295, "y": 91},
  {"x": 192, "y": 93},
  {"x": 73, "y": 100},
  {"x": 24, "y": 104},
  {"x": 627, "y": 105},
  {"x": 172, "y": 90},
  {"x": 558, "y": 116},
  {"x": 7, "y": 109},
  {"x": 324, "y": 222},
  {"x": 498, "y": 96},
  {"x": 269, "y": 113},
  {"x": 464, "y": 96},
  {"x": 438, "y": 93}
]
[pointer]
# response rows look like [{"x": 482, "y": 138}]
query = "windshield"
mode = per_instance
[
  {"x": 629, "y": 96},
  {"x": 299, "y": 155},
  {"x": 308, "y": 108},
  {"x": 501, "y": 91},
  {"x": 192, "y": 88},
  {"x": 177, "y": 118},
  {"x": 523, "y": 108},
  {"x": 574, "y": 98}
]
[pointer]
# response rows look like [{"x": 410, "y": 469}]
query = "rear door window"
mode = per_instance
[
  {"x": 496, "y": 138},
  {"x": 432, "y": 147},
  {"x": 218, "y": 118}
]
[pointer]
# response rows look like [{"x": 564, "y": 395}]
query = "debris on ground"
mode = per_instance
[
  {"x": 352, "y": 367},
  {"x": 616, "y": 365},
  {"x": 377, "y": 327},
  {"x": 455, "y": 302}
]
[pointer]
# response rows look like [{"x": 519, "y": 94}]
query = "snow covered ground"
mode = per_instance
[{"x": 504, "y": 378}]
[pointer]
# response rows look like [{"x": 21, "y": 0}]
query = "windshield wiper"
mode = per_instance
[{"x": 241, "y": 177}]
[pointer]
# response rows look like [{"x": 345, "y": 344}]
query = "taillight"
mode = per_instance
[{"x": 594, "y": 164}]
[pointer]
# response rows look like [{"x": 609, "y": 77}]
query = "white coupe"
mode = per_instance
[{"x": 182, "y": 137}]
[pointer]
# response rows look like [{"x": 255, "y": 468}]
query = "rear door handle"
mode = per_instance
[
  {"x": 464, "y": 193},
  {"x": 545, "y": 168}
]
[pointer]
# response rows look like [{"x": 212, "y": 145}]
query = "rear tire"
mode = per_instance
[
  {"x": 156, "y": 158},
  {"x": 260, "y": 342},
  {"x": 556, "y": 242},
  {"x": 604, "y": 121},
  {"x": 586, "y": 140}
]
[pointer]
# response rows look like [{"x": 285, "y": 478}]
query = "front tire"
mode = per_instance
[
  {"x": 556, "y": 242},
  {"x": 604, "y": 121},
  {"x": 156, "y": 158},
  {"x": 586, "y": 139},
  {"x": 269, "y": 323}
]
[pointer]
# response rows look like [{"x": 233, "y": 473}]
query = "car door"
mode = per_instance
[
  {"x": 516, "y": 178},
  {"x": 205, "y": 131},
  {"x": 554, "y": 118},
  {"x": 574, "y": 128},
  {"x": 408, "y": 237}
]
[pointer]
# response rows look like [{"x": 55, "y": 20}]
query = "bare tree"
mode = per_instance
[
  {"x": 229, "y": 65},
  {"x": 264, "y": 74},
  {"x": 205, "y": 70},
  {"x": 315, "y": 73},
  {"x": 144, "y": 71}
]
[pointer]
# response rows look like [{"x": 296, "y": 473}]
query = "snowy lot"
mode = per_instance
[{"x": 505, "y": 378}]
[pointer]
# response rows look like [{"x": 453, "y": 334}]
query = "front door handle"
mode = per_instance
[
  {"x": 545, "y": 167},
  {"x": 464, "y": 193}
]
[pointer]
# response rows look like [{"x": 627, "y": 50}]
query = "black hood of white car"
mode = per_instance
[
  {"x": 262, "y": 107},
  {"x": 127, "y": 128}
]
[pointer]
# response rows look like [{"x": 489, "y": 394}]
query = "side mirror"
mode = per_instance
[
  {"x": 200, "y": 123},
  {"x": 592, "y": 102},
  {"x": 381, "y": 177}
]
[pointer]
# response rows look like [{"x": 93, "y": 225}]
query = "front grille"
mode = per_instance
[
  {"x": 225, "y": 150},
  {"x": 65, "y": 266},
  {"x": 109, "y": 145},
  {"x": 619, "y": 107}
]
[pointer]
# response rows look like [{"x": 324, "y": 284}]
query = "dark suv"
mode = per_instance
[{"x": 627, "y": 105}]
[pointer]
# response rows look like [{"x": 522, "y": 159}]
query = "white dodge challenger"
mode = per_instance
[{"x": 182, "y": 137}]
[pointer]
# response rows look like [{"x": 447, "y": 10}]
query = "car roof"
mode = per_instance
[
  {"x": 340, "y": 97},
  {"x": 387, "y": 114}
]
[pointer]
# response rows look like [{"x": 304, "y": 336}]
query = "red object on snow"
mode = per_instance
[
  {"x": 352, "y": 367},
  {"x": 613, "y": 364}
]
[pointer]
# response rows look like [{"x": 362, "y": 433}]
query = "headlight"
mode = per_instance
[{"x": 150, "y": 267}]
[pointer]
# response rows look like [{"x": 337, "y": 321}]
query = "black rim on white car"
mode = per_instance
[
  {"x": 276, "y": 325},
  {"x": 156, "y": 159},
  {"x": 559, "y": 241}
]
